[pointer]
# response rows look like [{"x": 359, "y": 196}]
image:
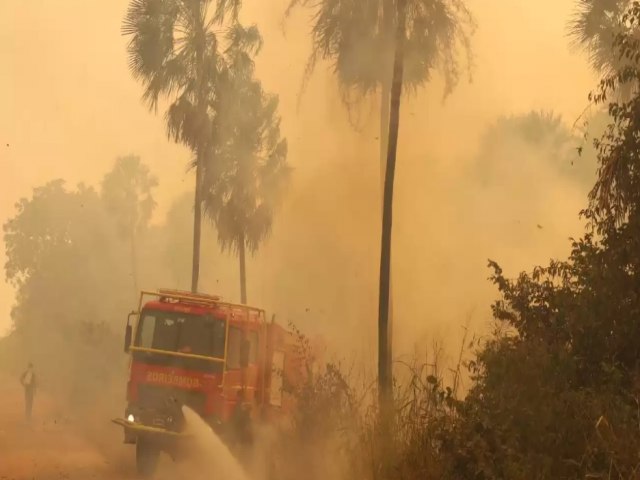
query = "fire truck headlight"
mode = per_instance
[{"x": 131, "y": 418}]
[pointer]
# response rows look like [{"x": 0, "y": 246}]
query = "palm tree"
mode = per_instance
[
  {"x": 384, "y": 345},
  {"x": 126, "y": 191},
  {"x": 357, "y": 36},
  {"x": 173, "y": 52},
  {"x": 249, "y": 171},
  {"x": 594, "y": 27}
]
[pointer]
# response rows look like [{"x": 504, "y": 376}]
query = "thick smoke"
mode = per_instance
[{"x": 72, "y": 108}]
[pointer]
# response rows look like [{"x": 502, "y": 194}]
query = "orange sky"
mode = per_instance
[{"x": 69, "y": 107}]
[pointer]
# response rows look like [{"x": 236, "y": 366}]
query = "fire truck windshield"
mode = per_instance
[{"x": 181, "y": 332}]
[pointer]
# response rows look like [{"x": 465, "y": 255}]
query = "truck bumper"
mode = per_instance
[
  {"x": 134, "y": 430},
  {"x": 175, "y": 444}
]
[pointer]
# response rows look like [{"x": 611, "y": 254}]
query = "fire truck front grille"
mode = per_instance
[{"x": 156, "y": 403}]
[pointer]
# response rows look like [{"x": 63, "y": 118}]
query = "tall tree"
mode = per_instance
[
  {"x": 384, "y": 345},
  {"x": 126, "y": 191},
  {"x": 248, "y": 171},
  {"x": 63, "y": 259},
  {"x": 358, "y": 38},
  {"x": 173, "y": 52}
]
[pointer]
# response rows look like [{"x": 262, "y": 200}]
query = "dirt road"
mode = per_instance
[
  {"x": 58, "y": 446},
  {"x": 55, "y": 446}
]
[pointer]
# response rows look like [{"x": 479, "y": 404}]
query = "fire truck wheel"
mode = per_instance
[{"x": 147, "y": 456}]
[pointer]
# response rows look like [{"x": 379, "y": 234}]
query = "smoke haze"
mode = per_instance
[{"x": 70, "y": 107}]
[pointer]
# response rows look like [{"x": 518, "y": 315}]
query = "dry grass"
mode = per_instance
[{"x": 336, "y": 432}]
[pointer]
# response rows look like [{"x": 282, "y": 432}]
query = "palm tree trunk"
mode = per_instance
[
  {"x": 385, "y": 90},
  {"x": 243, "y": 269},
  {"x": 384, "y": 357},
  {"x": 385, "y": 96},
  {"x": 197, "y": 222},
  {"x": 385, "y": 380}
]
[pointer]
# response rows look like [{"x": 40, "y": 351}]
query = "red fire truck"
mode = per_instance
[{"x": 212, "y": 356}]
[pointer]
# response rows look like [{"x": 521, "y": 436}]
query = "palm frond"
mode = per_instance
[
  {"x": 227, "y": 7},
  {"x": 203, "y": 64},
  {"x": 593, "y": 29},
  {"x": 357, "y": 39},
  {"x": 246, "y": 39},
  {"x": 149, "y": 24},
  {"x": 247, "y": 172}
]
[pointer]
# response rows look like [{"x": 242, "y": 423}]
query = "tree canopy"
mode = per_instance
[
  {"x": 65, "y": 250},
  {"x": 556, "y": 389},
  {"x": 63, "y": 257},
  {"x": 358, "y": 37},
  {"x": 538, "y": 140},
  {"x": 177, "y": 53},
  {"x": 247, "y": 172}
]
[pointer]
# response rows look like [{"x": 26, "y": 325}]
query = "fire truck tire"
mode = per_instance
[{"x": 147, "y": 456}]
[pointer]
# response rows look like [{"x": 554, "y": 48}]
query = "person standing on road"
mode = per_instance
[{"x": 28, "y": 380}]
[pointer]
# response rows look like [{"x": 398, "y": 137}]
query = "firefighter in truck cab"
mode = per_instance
[{"x": 223, "y": 361}]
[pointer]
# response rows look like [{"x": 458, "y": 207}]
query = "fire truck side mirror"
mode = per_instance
[
  {"x": 127, "y": 338},
  {"x": 128, "y": 333},
  {"x": 245, "y": 348}
]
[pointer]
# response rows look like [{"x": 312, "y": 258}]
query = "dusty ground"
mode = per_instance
[
  {"x": 55, "y": 446},
  {"x": 61, "y": 445}
]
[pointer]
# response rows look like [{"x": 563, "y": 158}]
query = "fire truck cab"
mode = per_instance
[{"x": 195, "y": 350}]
